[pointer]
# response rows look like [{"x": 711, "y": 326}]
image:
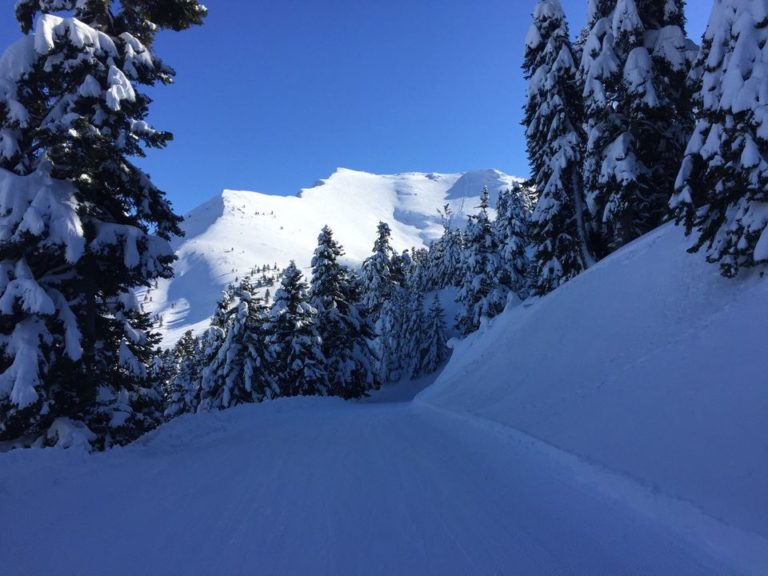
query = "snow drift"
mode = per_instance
[{"x": 650, "y": 365}]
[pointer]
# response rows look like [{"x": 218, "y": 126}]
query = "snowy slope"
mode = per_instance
[
  {"x": 236, "y": 231},
  {"x": 650, "y": 365},
  {"x": 322, "y": 487}
]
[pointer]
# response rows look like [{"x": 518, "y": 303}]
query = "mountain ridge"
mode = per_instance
[{"x": 226, "y": 236}]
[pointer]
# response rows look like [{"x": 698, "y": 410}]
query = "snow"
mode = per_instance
[
  {"x": 21, "y": 378},
  {"x": 310, "y": 486},
  {"x": 36, "y": 203},
  {"x": 650, "y": 365},
  {"x": 50, "y": 27},
  {"x": 67, "y": 434},
  {"x": 120, "y": 88},
  {"x": 236, "y": 231},
  {"x": 615, "y": 426}
]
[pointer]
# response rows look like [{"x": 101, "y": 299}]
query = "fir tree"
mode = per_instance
[
  {"x": 182, "y": 391},
  {"x": 722, "y": 187},
  {"x": 343, "y": 326},
  {"x": 511, "y": 230},
  {"x": 295, "y": 346},
  {"x": 238, "y": 371},
  {"x": 393, "y": 337},
  {"x": 223, "y": 312},
  {"x": 637, "y": 117},
  {"x": 382, "y": 274},
  {"x": 555, "y": 142},
  {"x": 445, "y": 255},
  {"x": 434, "y": 349},
  {"x": 82, "y": 225},
  {"x": 481, "y": 293},
  {"x": 377, "y": 274},
  {"x": 411, "y": 341}
]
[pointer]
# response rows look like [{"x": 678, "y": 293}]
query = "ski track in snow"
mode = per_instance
[{"x": 313, "y": 486}]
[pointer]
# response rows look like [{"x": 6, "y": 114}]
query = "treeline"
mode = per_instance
[
  {"x": 345, "y": 332},
  {"x": 341, "y": 333}
]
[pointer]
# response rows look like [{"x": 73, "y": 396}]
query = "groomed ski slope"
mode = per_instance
[
  {"x": 532, "y": 454},
  {"x": 651, "y": 365},
  {"x": 316, "y": 487}
]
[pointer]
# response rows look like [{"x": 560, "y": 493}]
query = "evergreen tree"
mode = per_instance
[
  {"x": 555, "y": 142},
  {"x": 445, "y": 255},
  {"x": 343, "y": 326},
  {"x": 238, "y": 371},
  {"x": 377, "y": 274},
  {"x": 181, "y": 391},
  {"x": 294, "y": 342},
  {"x": 382, "y": 276},
  {"x": 481, "y": 293},
  {"x": 411, "y": 341},
  {"x": 391, "y": 335},
  {"x": 722, "y": 188},
  {"x": 82, "y": 225},
  {"x": 163, "y": 369},
  {"x": 511, "y": 229},
  {"x": 633, "y": 71},
  {"x": 434, "y": 348},
  {"x": 400, "y": 267},
  {"x": 223, "y": 312}
]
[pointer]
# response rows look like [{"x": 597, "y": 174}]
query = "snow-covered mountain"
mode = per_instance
[{"x": 235, "y": 231}]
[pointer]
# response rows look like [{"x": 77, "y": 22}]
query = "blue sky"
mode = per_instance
[{"x": 272, "y": 96}]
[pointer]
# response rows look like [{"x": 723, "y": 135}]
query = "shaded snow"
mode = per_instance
[
  {"x": 650, "y": 365},
  {"x": 322, "y": 487}
]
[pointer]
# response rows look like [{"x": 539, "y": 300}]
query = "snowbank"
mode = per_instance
[{"x": 650, "y": 365}]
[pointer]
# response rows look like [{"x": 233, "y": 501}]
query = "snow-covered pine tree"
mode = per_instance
[
  {"x": 293, "y": 340},
  {"x": 223, "y": 312},
  {"x": 633, "y": 68},
  {"x": 398, "y": 333},
  {"x": 343, "y": 326},
  {"x": 377, "y": 274},
  {"x": 445, "y": 255},
  {"x": 722, "y": 188},
  {"x": 163, "y": 369},
  {"x": 181, "y": 390},
  {"x": 555, "y": 141},
  {"x": 238, "y": 372},
  {"x": 82, "y": 225},
  {"x": 512, "y": 231},
  {"x": 382, "y": 275},
  {"x": 193, "y": 354},
  {"x": 411, "y": 338},
  {"x": 481, "y": 293},
  {"x": 434, "y": 348}
]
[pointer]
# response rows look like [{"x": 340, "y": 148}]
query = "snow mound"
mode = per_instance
[
  {"x": 235, "y": 231},
  {"x": 650, "y": 365}
]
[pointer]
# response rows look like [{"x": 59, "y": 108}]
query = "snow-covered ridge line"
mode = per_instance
[{"x": 237, "y": 230}]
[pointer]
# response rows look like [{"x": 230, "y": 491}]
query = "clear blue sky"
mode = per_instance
[{"x": 272, "y": 96}]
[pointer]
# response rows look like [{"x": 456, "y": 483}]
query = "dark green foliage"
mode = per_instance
[
  {"x": 294, "y": 343},
  {"x": 78, "y": 121},
  {"x": 342, "y": 322}
]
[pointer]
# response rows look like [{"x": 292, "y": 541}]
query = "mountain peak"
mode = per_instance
[{"x": 237, "y": 230}]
